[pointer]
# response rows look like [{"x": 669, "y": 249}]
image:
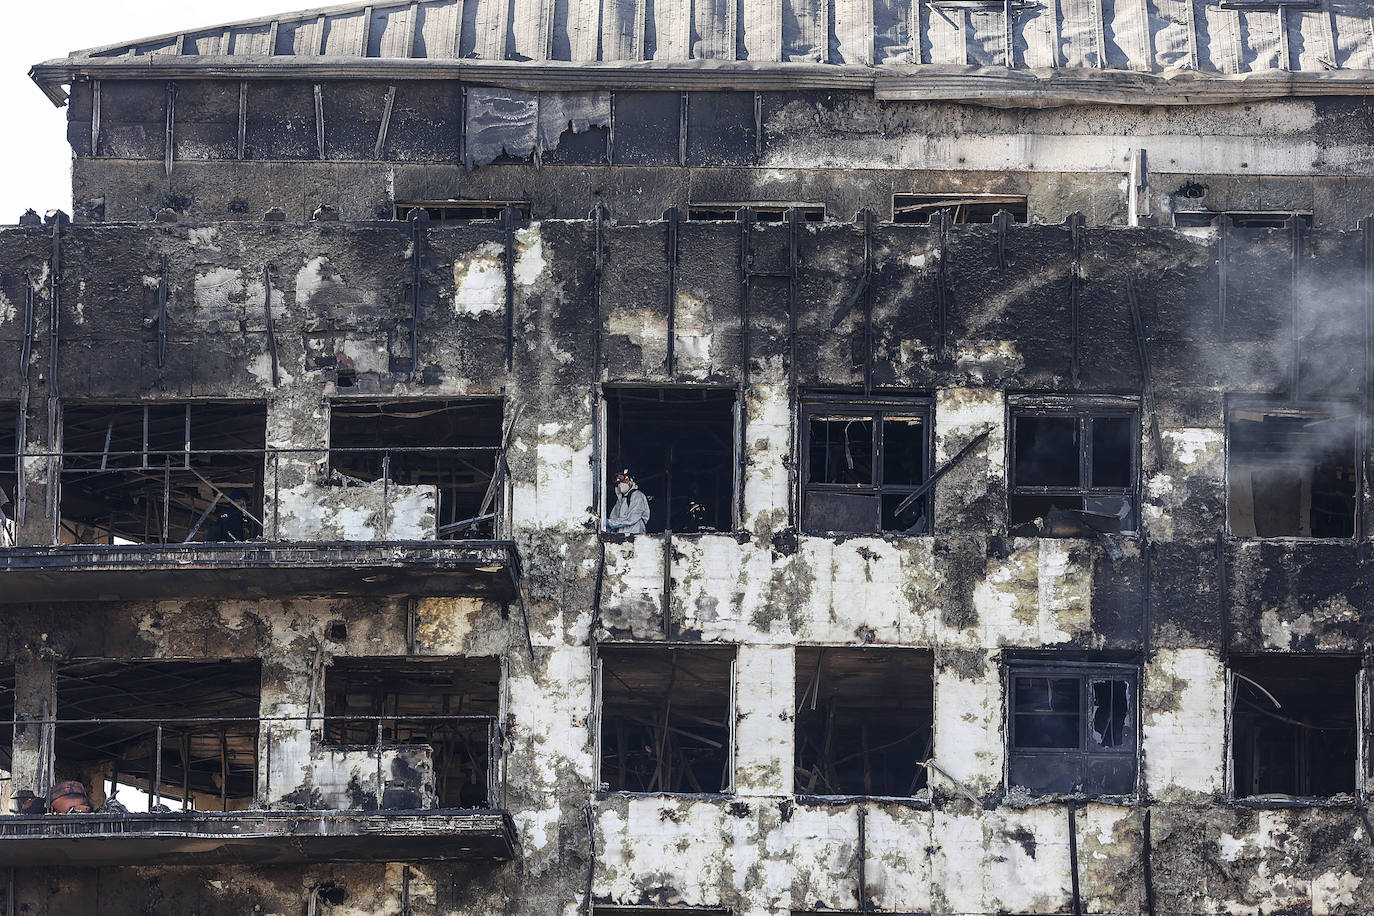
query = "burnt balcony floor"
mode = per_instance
[
  {"x": 255, "y": 570},
  {"x": 256, "y": 837}
]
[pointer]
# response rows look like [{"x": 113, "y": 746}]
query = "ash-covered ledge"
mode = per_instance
[
  {"x": 259, "y": 837},
  {"x": 122, "y": 572}
]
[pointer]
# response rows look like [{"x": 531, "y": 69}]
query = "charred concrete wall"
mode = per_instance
[
  {"x": 970, "y": 318},
  {"x": 843, "y": 150}
]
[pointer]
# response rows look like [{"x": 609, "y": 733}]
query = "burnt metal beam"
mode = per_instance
[
  {"x": 1295, "y": 235},
  {"x": 941, "y": 221},
  {"x": 243, "y": 119},
  {"x": 319, "y": 121},
  {"x": 1073, "y": 861},
  {"x": 868, "y": 219},
  {"x": 673, "y": 216},
  {"x": 1143, "y": 356},
  {"x": 1223, "y": 256},
  {"x": 942, "y": 471},
  {"x": 162, "y": 316},
  {"x": 746, "y": 224},
  {"x": 170, "y": 110},
  {"x": 1001, "y": 220},
  {"x": 1076, "y": 222},
  {"x": 271, "y": 323},
  {"x": 419, "y": 238},
  {"x": 387, "y": 106},
  {"x": 862, "y": 856},
  {"x": 1223, "y": 605},
  {"x": 508, "y": 227},
  {"x": 1146, "y": 854}
]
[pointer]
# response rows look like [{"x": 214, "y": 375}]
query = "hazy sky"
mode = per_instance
[{"x": 36, "y": 158}]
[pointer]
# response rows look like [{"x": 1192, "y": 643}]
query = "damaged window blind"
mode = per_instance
[{"x": 520, "y": 124}]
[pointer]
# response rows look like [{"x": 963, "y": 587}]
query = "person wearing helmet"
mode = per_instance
[{"x": 631, "y": 510}]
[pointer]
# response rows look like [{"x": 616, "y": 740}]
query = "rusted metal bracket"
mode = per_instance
[
  {"x": 508, "y": 225},
  {"x": 1073, "y": 861},
  {"x": 1001, "y": 221},
  {"x": 669, "y": 625},
  {"x": 941, "y": 223},
  {"x": 169, "y": 148},
  {"x": 1223, "y": 604},
  {"x": 942, "y": 471},
  {"x": 1146, "y": 852},
  {"x": 862, "y": 856},
  {"x": 271, "y": 323},
  {"x": 1143, "y": 355},
  {"x": 1075, "y": 223},
  {"x": 673, "y": 216},
  {"x": 419, "y": 238},
  {"x": 746, "y": 225},
  {"x": 390, "y": 102}
]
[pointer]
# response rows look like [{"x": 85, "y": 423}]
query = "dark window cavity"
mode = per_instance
[
  {"x": 1291, "y": 472},
  {"x": 665, "y": 718},
  {"x": 862, "y": 461},
  {"x": 461, "y": 211},
  {"x": 162, "y": 473},
  {"x": 451, "y": 446},
  {"x": 863, "y": 720},
  {"x": 764, "y": 212},
  {"x": 202, "y": 758},
  {"x": 962, "y": 208},
  {"x": 678, "y": 444},
  {"x": 1204, "y": 219},
  {"x": 1294, "y": 725},
  {"x": 433, "y": 718},
  {"x": 1074, "y": 468},
  {"x": 1072, "y": 728}
]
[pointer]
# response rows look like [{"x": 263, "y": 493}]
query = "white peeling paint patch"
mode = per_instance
[
  {"x": 396, "y": 512},
  {"x": 310, "y": 278},
  {"x": 150, "y": 282},
  {"x": 1333, "y": 893},
  {"x": 529, "y": 255},
  {"x": 80, "y": 305},
  {"x": 7, "y": 310},
  {"x": 261, "y": 369},
  {"x": 980, "y": 358},
  {"x": 220, "y": 293},
  {"x": 764, "y": 685},
  {"x": 1280, "y": 633},
  {"x": 968, "y": 728},
  {"x": 1190, "y": 445},
  {"x": 206, "y": 238},
  {"x": 692, "y": 321},
  {"x": 479, "y": 281},
  {"x": 368, "y": 355},
  {"x": 1184, "y": 734}
]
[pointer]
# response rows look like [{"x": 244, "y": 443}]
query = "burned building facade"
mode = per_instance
[{"x": 996, "y": 375}]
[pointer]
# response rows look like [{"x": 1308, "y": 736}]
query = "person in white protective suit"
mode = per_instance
[{"x": 631, "y": 510}]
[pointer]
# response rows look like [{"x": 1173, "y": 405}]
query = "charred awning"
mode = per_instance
[
  {"x": 482, "y": 569},
  {"x": 255, "y": 837}
]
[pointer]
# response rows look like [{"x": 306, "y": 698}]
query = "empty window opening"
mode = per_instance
[
  {"x": 1294, "y": 725},
  {"x": 677, "y": 446},
  {"x": 9, "y": 474},
  {"x": 439, "y": 454},
  {"x": 462, "y": 211},
  {"x": 862, "y": 462},
  {"x": 651, "y": 910},
  {"x": 665, "y": 719},
  {"x": 1291, "y": 472},
  {"x": 864, "y": 721},
  {"x": 1204, "y": 219},
  {"x": 1073, "y": 728},
  {"x": 1074, "y": 470},
  {"x": 164, "y": 473},
  {"x": 962, "y": 208},
  {"x": 434, "y": 719},
  {"x": 180, "y": 735},
  {"x": 764, "y": 212}
]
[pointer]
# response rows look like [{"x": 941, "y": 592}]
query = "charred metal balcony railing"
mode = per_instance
[
  {"x": 291, "y": 788},
  {"x": 272, "y": 494}
]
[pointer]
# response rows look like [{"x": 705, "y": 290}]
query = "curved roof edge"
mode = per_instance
[{"x": 990, "y": 86}]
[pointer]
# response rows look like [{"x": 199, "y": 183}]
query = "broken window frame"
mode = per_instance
[
  {"x": 1333, "y": 410},
  {"x": 1361, "y": 718},
  {"x": 765, "y": 211},
  {"x": 875, "y": 410},
  {"x": 1086, "y": 673},
  {"x": 461, "y": 211},
  {"x": 598, "y": 723},
  {"x": 607, "y": 471},
  {"x": 962, "y": 208},
  {"x": 1084, "y": 409}
]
